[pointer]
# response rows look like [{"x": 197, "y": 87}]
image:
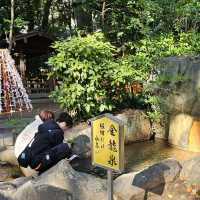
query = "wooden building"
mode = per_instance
[{"x": 29, "y": 48}]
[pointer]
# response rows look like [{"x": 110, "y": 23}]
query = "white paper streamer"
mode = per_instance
[{"x": 17, "y": 95}]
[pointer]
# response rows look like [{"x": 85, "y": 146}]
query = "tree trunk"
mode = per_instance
[
  {"x": 46, "y": 12},
  {"x": 103, "y": 14},
  {"x": 11, "y": 25}
]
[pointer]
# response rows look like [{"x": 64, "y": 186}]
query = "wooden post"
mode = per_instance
[
  {"x": 22, "y": 65},
  {"x": 110, "y": 184}
]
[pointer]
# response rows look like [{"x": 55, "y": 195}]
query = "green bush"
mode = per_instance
[{"x": 91, "y": 78}]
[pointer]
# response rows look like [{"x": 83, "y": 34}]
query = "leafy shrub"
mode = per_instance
[{"x": 91, "y": 80}]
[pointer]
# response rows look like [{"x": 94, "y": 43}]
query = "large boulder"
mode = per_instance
[
  {"x": 136, "y": 122},
  {"x": 11, "y": 186},
  {"x": 137, "y": 125},
  {"x": 7, "y": 189},
  {"x": 81, "y": 146},
  {"x": 181, "y": 99},
  {"x": 184, "y": 94},
  {"x": 62, "y": 182},
  {"x": 7, "y": 155},
  {"x": 191, "y": 171},
  {"x": 179, "y": 129},
  {"x": 184, "y": 132},
  {"x": 153, "y": 179}
]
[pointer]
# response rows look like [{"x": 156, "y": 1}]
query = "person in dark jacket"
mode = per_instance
[{"x": 47, "y": 147}]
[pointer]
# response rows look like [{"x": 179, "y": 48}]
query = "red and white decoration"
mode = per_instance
[{"x": 13, "y": 96}]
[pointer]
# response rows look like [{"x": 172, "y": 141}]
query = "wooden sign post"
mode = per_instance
[{"x": 108, "y": 146}]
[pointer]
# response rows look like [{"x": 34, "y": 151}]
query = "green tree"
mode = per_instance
[
  {"x": 187, "y": 16},
  {"x": 91, "y": 80}
]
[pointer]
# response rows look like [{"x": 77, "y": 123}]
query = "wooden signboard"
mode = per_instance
[{"x": 108, "y": 142}]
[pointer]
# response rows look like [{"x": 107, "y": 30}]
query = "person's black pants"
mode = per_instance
[{"x": 49, "y": 158}]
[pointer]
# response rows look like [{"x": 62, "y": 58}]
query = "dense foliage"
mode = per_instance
[
  {"x": 123, "y": 21},
  {"x": 92, "y": 80},
  {"x": 94, "y": 70}
]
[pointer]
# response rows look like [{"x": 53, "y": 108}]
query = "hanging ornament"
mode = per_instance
[{"x": 13, "y": 96}]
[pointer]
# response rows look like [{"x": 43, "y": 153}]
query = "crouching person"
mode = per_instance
[{"x": 47, "y": 147}]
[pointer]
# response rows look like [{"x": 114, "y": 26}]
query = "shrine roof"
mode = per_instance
[{"x": 34, "y": 43}]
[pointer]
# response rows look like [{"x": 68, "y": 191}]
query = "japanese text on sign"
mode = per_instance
[{"x": 107, "y": 148}]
